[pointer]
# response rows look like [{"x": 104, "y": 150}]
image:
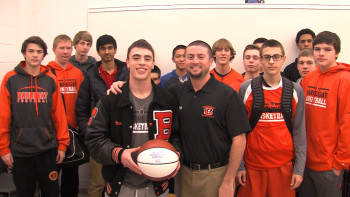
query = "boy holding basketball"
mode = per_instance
[{"x": 119, "y": 124}]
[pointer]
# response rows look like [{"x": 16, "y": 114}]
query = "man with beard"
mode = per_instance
[{"x": 212, "y": 124}]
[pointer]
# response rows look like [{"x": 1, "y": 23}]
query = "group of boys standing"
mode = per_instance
[{"x": 275, "y": 125}]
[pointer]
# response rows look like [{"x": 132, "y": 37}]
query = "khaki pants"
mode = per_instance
[
  {"x": 97, "y": 183},
  {"x": 200, "y": 183}
]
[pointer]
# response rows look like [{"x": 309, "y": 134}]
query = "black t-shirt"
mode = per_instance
[{"x": 208, "y": 120}]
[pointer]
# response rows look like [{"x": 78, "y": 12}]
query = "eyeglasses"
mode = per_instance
[
  {"x": 255, "y": 57},
  {"x": 275, "y": 57}
]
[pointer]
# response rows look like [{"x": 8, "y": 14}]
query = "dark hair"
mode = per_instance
[
  {"x": 203, "y": 44},
  {"x": 272, "y": 43},
  {"x": 34, "y": 40},
  {"x": 177, "y": 48},
  {"x": 82, "y": 35},
  {"x": 222, "y": 44},
  {"x": 251, "y": 47},
  {"x": 328, "y": 38},
  {"x": 141, "y": 44},
  {"x": 259, "y": 40},
  {"x": 156, "y": 70},
  {"x": 302, "y": 32},
  {"x": 105, "y": 39}
]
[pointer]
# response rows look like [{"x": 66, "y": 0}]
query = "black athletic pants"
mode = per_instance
[
  {"x": 69, "y": 181},
  {"x": 42, "y": 168}
]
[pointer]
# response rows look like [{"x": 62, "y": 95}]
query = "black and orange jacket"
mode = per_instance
[
  {"x": 32, "y": 117},
  {"x": 69, "y": 79}
]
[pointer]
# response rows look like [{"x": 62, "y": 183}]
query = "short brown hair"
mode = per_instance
[
  {"x": 222, "y": 44},
  {"x": 59, "y": 38},
  {"x": 202, "y": 44},
  {"x": 328, "y": 38},
  {"x": 272, "y": 43},
  {"x": 251, "y": 47},
  {"x": 143, "y": 44},
  {"x": 82, "y": 35},
  {"x": 34, "y": 40},
  {"x": 306, "y": 53}
]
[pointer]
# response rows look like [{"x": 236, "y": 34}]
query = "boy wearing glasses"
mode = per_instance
[
  {"x": 277, "y": 140},
  {"x": 327, "y": 109}
]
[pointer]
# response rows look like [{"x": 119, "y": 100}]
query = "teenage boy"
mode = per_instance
[
  {"x": 95, "y": 85},
  {"x": 223, "y": 54},
  {"x": 328, "y": 119},
  {"x": 82, "y": 42},
  {"x": 155, "y": 75},
  {"x": 303, "y": 40},
  {"x": 70, "y": 79},
  {"x": 276, "y": 147},
  {"x": 114, "y": 143},
  {"x": 251, "y": 61},
  {"x": 33, "y": 126},
  {"x": 306, "y": 63},
  {"x": 179, "y": 74}
]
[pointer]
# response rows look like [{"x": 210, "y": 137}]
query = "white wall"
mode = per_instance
[{"x": 168, "y": 23}]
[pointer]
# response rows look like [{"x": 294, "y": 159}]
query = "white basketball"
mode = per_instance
[{"x": 157, "y": 163}]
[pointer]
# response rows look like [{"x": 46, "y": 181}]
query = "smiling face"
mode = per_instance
[
  {"x": 198, "y": 61},
  {"x": 270, "y": 66},
  {"x": 107, "y": 52},
  {"x": 33, "y": 55},
  {"x": 140, "y": 62},
  {"x": 223, "y": 56},
  {"x": 179, "y": 59},
  {"x": 63, "y": 51}
]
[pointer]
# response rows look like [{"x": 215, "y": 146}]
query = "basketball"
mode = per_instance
[{"x": 157, "y": 160}]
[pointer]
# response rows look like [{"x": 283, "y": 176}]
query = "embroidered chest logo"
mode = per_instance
[
  {"x": 208, "y": 111},
  {"x": 316, "y": 96}
]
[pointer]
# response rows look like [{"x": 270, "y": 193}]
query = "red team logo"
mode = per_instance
[
  {"x": 163, "y": 121},
  {"x": 208, "y": 111}
]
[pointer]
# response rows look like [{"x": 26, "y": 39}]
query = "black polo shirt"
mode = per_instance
[{"x": 208, "y": 120}]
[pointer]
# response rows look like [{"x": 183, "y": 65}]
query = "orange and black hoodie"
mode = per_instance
[
  {"x": 327, "y": 112},
  {"x": 32, "y": 118},
  {"x": 69, "y": 79}
]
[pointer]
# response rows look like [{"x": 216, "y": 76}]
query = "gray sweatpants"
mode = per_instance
[
  {"x": 148, "y": 191},
  {"x": 320, "y": 184}
]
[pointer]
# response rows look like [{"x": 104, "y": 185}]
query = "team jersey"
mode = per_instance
[{"x": 270, "y": 144}]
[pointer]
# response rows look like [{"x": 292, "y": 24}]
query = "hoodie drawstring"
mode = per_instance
[{"x": 36, "y": 94}]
